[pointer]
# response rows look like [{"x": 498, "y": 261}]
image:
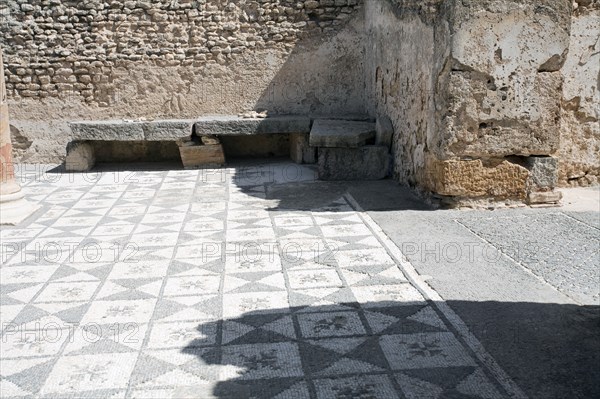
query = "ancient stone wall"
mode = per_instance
[
  {"x": 407, "y": 43},
  {"x": 95, "y": 59},
  {"x": 580, "y": 117},
  {"x": 474, "y": 89},
  {"x": 488, "y": 98}
]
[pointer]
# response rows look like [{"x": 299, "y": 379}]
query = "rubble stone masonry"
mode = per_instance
[
  {"x": 481, "y": 91},
  {"x": 96, "y": 59}
]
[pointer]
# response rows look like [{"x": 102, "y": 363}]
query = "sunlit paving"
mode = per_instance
[{"x": 290, "y": 199}]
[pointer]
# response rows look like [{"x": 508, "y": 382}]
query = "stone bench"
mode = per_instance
[
  {"x": 352, "y": 150},
  {"x": 80, "y": 153},
  {"x": 296, "y": 127},
  {"x": 347, "y": 149}
]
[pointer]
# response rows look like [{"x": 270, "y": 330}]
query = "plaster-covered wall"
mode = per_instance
[
  {"x": 580, "y": 117},
  {"x": 407, "y": 44},
  {"x": 92, "y": 59}
]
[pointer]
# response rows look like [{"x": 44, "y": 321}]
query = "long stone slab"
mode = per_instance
[
  {"x": 341, "y": 133},
  {"x": 120, "y": 130},
  {"x": 236, "y": 126},
  {"x": 107, "y": 130},
  {"x": 165, "y": 130}
]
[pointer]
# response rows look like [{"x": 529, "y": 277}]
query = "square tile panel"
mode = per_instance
[
  {"x": 235, "y": 305},
  {"x": 263, "y": 361},
  {"x": 367, "y": 386},
  {"x": 318, "y": 278},
  {"x": 393, "y": 295},
  {"x": 362, "y": 257},
  {"x": 120, "y": 311},
  {"x": 192, "y": 285},
  {"x": 67, "y": 292},
  {"x": 72, "y": 374},
  {"x": 427, "y": 350},
  {"x": 34, "y": 342},
  {"x": 183, "y": 334},
  {"x": 337, "y": 324}
]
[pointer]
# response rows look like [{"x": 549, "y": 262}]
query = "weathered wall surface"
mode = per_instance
[
  {"x": 484, "y": 95},
  {"x": 503, "y": 99},
  {"x": 580, "y": 118},
  {"x": 473, "y": 88},
  {"x": 504, "y": 77},
  {"x": 91, "y": 59},
  {"x": 407, "y": 43}
]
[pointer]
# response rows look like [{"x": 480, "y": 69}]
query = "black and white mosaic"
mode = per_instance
[{"x": 185, "y": 284}]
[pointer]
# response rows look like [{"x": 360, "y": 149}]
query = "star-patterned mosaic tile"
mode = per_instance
[{"x": 177, "y": 284}]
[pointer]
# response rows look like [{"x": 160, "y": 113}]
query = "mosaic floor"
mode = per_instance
[{"x": 189, "y": 284}]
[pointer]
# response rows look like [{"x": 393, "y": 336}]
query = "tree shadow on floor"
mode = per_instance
[
  {"x": 297, "y": 187},
  {"x": 388, "y": 349}
]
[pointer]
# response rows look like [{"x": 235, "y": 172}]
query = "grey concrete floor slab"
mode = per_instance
[
  {"x": 259, "y": 281},
  {"x": 525, "y": 281}
]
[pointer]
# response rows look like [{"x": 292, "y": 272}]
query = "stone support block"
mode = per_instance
[
  {"x": 194, "y": 155},
  {"x": 498, "y": 179},
  {"x": 384, "y": 131},
  {"x": 80, "y": 157},
  {"x": 300, "y": 149},
  {"x": 364, "y": 163},
  {"x": 546, "y": 197},
  {"x": 543, "y": 172}
]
